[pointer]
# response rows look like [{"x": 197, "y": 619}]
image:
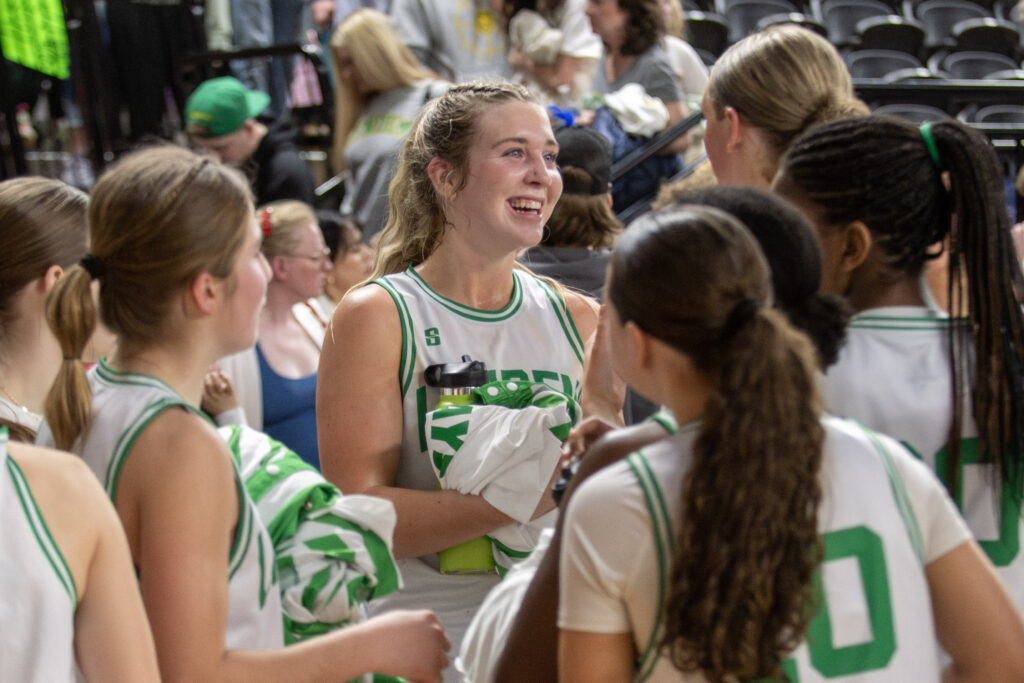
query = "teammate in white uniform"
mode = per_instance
[
  {"x": 698, "y": 559},
  {"x": 476, "y": 182},
  {"x": 791, "y": 249},
  {"x": 905, "y": 361},
  {"x": 175, "y": 247},
  {"x": 66, "y": 585}
]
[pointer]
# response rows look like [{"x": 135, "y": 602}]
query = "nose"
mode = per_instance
[{"x": 538, "y": 170}]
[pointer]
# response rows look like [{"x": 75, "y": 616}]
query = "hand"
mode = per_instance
[
  {"x": 1017, "y": 232},
  {"x": 603, "y": 391},
  {"x": 519, "y": 61},
  {"x": 412, "y": 645},
  {"x": 218, "y": 393},
  {"x": 583, "y": 435}
]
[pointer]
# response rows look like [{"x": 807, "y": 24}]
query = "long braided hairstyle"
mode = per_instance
[{"x": 889, "y": 174}]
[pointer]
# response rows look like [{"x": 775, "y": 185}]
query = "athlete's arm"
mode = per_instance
[
  {"x": 112, "y": 637},
  {"x": 359, "y": 427},
  {"x": 178, "y": 498},
  {"x": 975, "y": 619},
  {"x": 589, "y": 657}
]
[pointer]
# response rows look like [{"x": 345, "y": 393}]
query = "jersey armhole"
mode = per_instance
[{"x": 407, "y": 362}]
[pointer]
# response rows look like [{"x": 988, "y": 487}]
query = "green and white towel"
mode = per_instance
[
  {"x": 333, "y": 552},
  {"x": 505, "y": 448}
]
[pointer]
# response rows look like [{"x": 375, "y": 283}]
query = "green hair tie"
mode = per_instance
[{"x": 929, "y": 142}]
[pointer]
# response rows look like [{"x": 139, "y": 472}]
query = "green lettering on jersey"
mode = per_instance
[
  {"x": 451, "y": 435},
  {"x": 1002, "y": 550},
  {"x": 433, "y": 336},
  {"x": 865, "y": 546}
]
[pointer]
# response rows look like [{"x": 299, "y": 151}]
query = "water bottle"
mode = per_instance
[{"x": 456, "y": 382}]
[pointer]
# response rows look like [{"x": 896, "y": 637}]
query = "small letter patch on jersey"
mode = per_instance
[{"x": 433, "y": 336}]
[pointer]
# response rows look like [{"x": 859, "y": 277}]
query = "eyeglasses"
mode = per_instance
[{"x": 324, "y": 255}]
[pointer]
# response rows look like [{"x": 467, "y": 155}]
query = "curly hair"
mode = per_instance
[
  {"x": 644, "y": 28},
  {"x": 747, "y": 547}
]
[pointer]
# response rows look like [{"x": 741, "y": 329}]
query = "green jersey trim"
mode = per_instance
[
  {"x": 468, "y": 312},
  {"x": 899, "y": 493},
  {"x": 127, "y": 440},
  {"x": 408, "y": 359},
  {"x": 564, "y": 319},
  {"x": 40, "y": 529},
  {"x": 870, "y": 321},
  {"x": 666, "y": 419},
  {"x": 661, "y": 526}
]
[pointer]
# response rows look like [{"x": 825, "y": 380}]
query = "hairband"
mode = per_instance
[
  {"x": 742, "y": 313},
  {"x": 93, "y": 265},
  {"x": 265, "y": 220},
  {"x": 929, "y": 142}
]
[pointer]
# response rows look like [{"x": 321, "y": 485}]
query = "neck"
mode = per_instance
[
  {"x": 278, "y": 308},
  {"x": 332, "y": 290},
  {"x": 875, "y": 285},
  {"x": 469, "y": 278},
  {"x": 29, "y": 360},
  {"x": 618, "y": 63},
  {"x": 181, "y": 367}
]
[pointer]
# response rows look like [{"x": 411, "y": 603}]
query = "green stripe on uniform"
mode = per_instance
[
  {"x": 128, "y": 437},
  {"x": 476, "y": 314},
  {"x": 661, "y": 526},
  {"x": 383, "y": 561},
  {"x": 899, "y": 493},
  {"x": 39, "y": 528},
  {"x": 565, "y": 320},
  {"x": 408, "y": 359}
]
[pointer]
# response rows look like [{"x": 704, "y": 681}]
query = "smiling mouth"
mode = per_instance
[{"x": 529, "y": 207}]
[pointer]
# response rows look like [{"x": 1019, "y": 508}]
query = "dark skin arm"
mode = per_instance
[{"x": 531, "y": 652}]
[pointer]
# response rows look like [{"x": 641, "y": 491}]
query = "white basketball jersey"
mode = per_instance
[
  {"x": 533, "y": 339},
  {"x": 123, "y": 404},
  {"x": 893, "y": 375},
  {"x": 874, "y": 623},
  {"x": 37, "y": 592}
]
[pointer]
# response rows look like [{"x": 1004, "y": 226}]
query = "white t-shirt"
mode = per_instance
[{"x": 877, "y": 599}]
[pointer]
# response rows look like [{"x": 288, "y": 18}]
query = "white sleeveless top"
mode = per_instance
[
  {"x": 532, "y": 338},
  {"x": 37, "y": 609},
  {"x": 883, "y": 516},
  {"x": 893, "y": 375},
  {"x": 123, "y": 404}
]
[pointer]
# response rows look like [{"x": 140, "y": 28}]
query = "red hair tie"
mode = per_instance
[{"x": 265, "y": 221}]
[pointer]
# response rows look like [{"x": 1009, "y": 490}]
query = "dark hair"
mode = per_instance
[
  {"x": 879, "y": 171},
  {"x": 581, "y": 220},
  {"x": 747, "y": 547},
  {"x": 333, "y": 226},
  {"x": 791, "y": 247},
  {"x": 644, "y": 28}
]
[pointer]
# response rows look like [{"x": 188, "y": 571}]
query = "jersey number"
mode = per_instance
[
  {"x": 1002, "y": 550},
  {"x": 865, "y": 546}
]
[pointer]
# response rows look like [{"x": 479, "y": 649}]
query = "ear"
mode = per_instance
[
  {"x": 639, "y": 346},
  {"x": 440, "y": 173},
  {"x": 737, "y": 128},
  {"x": 49, "y": 278},
  {"x": 856, "y": 245},
  {"x": 278, "y": 267},
  {"x": 205, "y": 293}
]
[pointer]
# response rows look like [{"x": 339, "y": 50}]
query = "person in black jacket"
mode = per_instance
[{"x": 222, "y": 118}]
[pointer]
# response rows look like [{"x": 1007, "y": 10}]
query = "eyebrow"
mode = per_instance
[{"x": 550, "y": 142}]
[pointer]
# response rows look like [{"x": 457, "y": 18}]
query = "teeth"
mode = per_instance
[{"x": 525, "y": 204}]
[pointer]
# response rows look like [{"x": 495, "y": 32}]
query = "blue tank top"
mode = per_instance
[{"x": 289, "y": 410}]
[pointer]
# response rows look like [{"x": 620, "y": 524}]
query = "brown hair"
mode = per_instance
[
  {"x": 445, "y": 128},
  {"x": 157, "y": 219},
  {"x": 581, "y": 220},
  {"x": 43, "y": 225},
  {"x": 645, "y": 26},
  {"x": 284, "y": 219},
  {"x": 747, "y": 546},
  {"x": 784, "y": 80}
]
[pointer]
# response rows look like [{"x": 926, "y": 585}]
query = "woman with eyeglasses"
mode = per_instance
[{"x": 277, "y": 382}]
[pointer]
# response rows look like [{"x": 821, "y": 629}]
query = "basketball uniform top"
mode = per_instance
[
  {"x": 123, "y": 404},
  {"x": 532, "y": 339},
  {"x": 37, "y": 611},
  {"x": 883, "y": 516},
  {"x": 893, "y": 375}
]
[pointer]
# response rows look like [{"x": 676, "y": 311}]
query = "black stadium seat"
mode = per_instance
[
  {"x": 841, "y": 16},
  {"x": 879, "y": 63},
  {"x": 743, "y": 15},
  {"x": 988, "y": 34},
  {"x": 939, "y": 16},
  {"x": 891, "y": 32}
]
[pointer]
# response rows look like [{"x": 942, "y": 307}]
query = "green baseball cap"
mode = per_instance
[{"x": 223, "y": 104}]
